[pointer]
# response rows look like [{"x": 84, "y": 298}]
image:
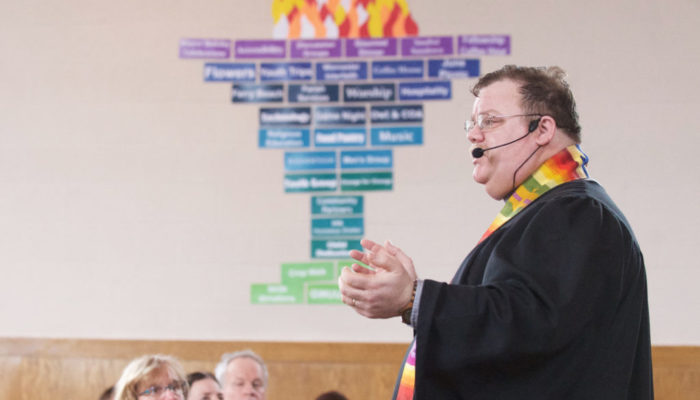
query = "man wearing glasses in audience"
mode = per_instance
[{"x": 551, "y": 303}]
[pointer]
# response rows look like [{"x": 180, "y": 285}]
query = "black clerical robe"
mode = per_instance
[{"x": 552, "y": 305}]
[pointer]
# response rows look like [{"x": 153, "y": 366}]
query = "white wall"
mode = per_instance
[{"x": 134, "y": 202}]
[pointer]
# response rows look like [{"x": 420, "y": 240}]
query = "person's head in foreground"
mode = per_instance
[
  {"x": 152, "y": 377},
  {"x": 203, "y": 386},
  {"x": 243, "y": 376}
]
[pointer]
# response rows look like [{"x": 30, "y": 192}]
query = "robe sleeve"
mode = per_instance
[{"x": 554, "y": 272}]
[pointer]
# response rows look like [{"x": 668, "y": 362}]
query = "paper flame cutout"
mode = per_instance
[{"x": 316, "y": 19}]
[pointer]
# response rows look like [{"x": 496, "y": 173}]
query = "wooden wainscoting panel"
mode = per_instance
[
  {"x": 80, "y": 369},
  {"x": 676, "y": 372}
]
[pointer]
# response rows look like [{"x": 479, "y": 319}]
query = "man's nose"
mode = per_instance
[{"x": 475, "y": 135}]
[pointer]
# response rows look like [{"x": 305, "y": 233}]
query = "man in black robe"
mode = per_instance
[{"x": 552, "y": 302}]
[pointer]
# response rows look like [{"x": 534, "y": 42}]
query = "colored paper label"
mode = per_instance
[
  {"x": 366, "y": 159},
  {"x": 426, "y": 46},
  {"x": 369, "y": 92},
  {"x": 254, "y": 93},
  {"x": 337, "y": 227},
  {"x": 397, "y": 136},
  {"x": 380, "y": 114},
  {"x": 260, "y": 49},
  {"x": 229, "y": 72},
  {"x": 286, "y": 72},
  {"x": 290, "y": 116},
  {"x": 296, "y": 274},
  {"x": 340, "y": 137},
  {"x": 483, "y": 45},
  {"x": 438, "y": 90},
  {"x": 205, "y": 48},
  {"x": 323, "y": 293},
  {"x": 283, "y": 138},
  {"x": 334, "y": 115},
  {"x": 337, "y": 205},
  {"x": 275, "y": 293},
  {"x": 303, "y": 183},
  {"x": 366, "y": 181},
  {"x": 453, "y": 68},
  {"x": 309, "y": 160},
  {"x": 341, "y": 71},
  {"x": 322, "y": 48},
  {"x": 379, "y": 47},
  {"x": 313, "y": 93},
  {"x": 398, "y": 69},
  {"x": 333, "y": 248}
]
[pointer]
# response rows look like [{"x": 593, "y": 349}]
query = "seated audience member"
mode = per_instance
[
  {"x": 332, "y": 395},
  {"x": 152, "y": 377},
  {"x": 243, "y": 375},
  {"x": 108, "y": 394},
  {"x": 203, "y": 386}
]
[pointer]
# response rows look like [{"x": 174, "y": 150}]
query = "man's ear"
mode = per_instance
[{"x": 545, "y": 130}]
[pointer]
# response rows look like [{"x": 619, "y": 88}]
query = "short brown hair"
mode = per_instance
[{"x": 544, "y": 91}]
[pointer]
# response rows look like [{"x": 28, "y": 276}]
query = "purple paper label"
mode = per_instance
[
  {"x": 322, "y": 48},
  {"x": 427, "y": 46},
  {"x": 260, "y": 49},
  {"x": 370, "y": 47},
  {"x": 205, "y": 48},
  {"x": 483, "y": 45}
]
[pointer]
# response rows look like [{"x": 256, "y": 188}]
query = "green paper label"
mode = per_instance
[
  {"x": 323, "y": 293},
  {"x": 275, "y": 293},
  {"x": 298, "y": 273}
]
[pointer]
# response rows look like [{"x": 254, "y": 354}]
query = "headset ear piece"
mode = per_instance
[{"x": 533, "y": 125}]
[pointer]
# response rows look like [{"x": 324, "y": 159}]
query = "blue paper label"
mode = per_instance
[
  {"x": 340, "y": 115},
  {"x": 313, "y": 93},
  {"x": 301, "y": 71},
  {"x": 438, "y": 90},
  {"x": 410, "y": 69},
  {"x": 309, "y": 160},
  {"x": 280, "y": 138},
  {"x": 327, "y": 137},
  {"x": 380, "y": 114},
  {"x": 289, "y": 116},
  {"x": 397, "y": 136},
  {"x": 453, "y": 68},
  {"x": 229, "y": 72},
  {"x": 341, "y": 71}
]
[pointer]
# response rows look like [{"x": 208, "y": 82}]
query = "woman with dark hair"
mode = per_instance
[{"x": 204, "y": 386}]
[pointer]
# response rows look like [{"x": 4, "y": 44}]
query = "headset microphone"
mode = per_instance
[{"x": 479, "y": 152}]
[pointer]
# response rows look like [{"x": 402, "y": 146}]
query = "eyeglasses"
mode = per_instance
[
  {"x": 486, "y": 121},
  {"x": 177, "y": 387}
]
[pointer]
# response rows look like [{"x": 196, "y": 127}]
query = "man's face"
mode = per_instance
[
  {"x": 244, "y": 380},
  {"x": 496, "y": 167}
]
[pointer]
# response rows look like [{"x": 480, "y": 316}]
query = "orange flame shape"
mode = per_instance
[{"x": 342, "y": 19}]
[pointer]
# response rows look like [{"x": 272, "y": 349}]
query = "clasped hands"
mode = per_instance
[{"x": 384, "y": 291}]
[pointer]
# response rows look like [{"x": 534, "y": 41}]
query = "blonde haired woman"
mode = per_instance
[{"x": 152, "y": 377}]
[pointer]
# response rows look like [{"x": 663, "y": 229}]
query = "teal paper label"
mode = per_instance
[
  {"x": 333, "y": 248},
  {"x": 336, "y": 205},
  {"x": 366, "y": 181},
  {"x": 337, "y": 227},
  {"x": 300, "y": 183}
]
